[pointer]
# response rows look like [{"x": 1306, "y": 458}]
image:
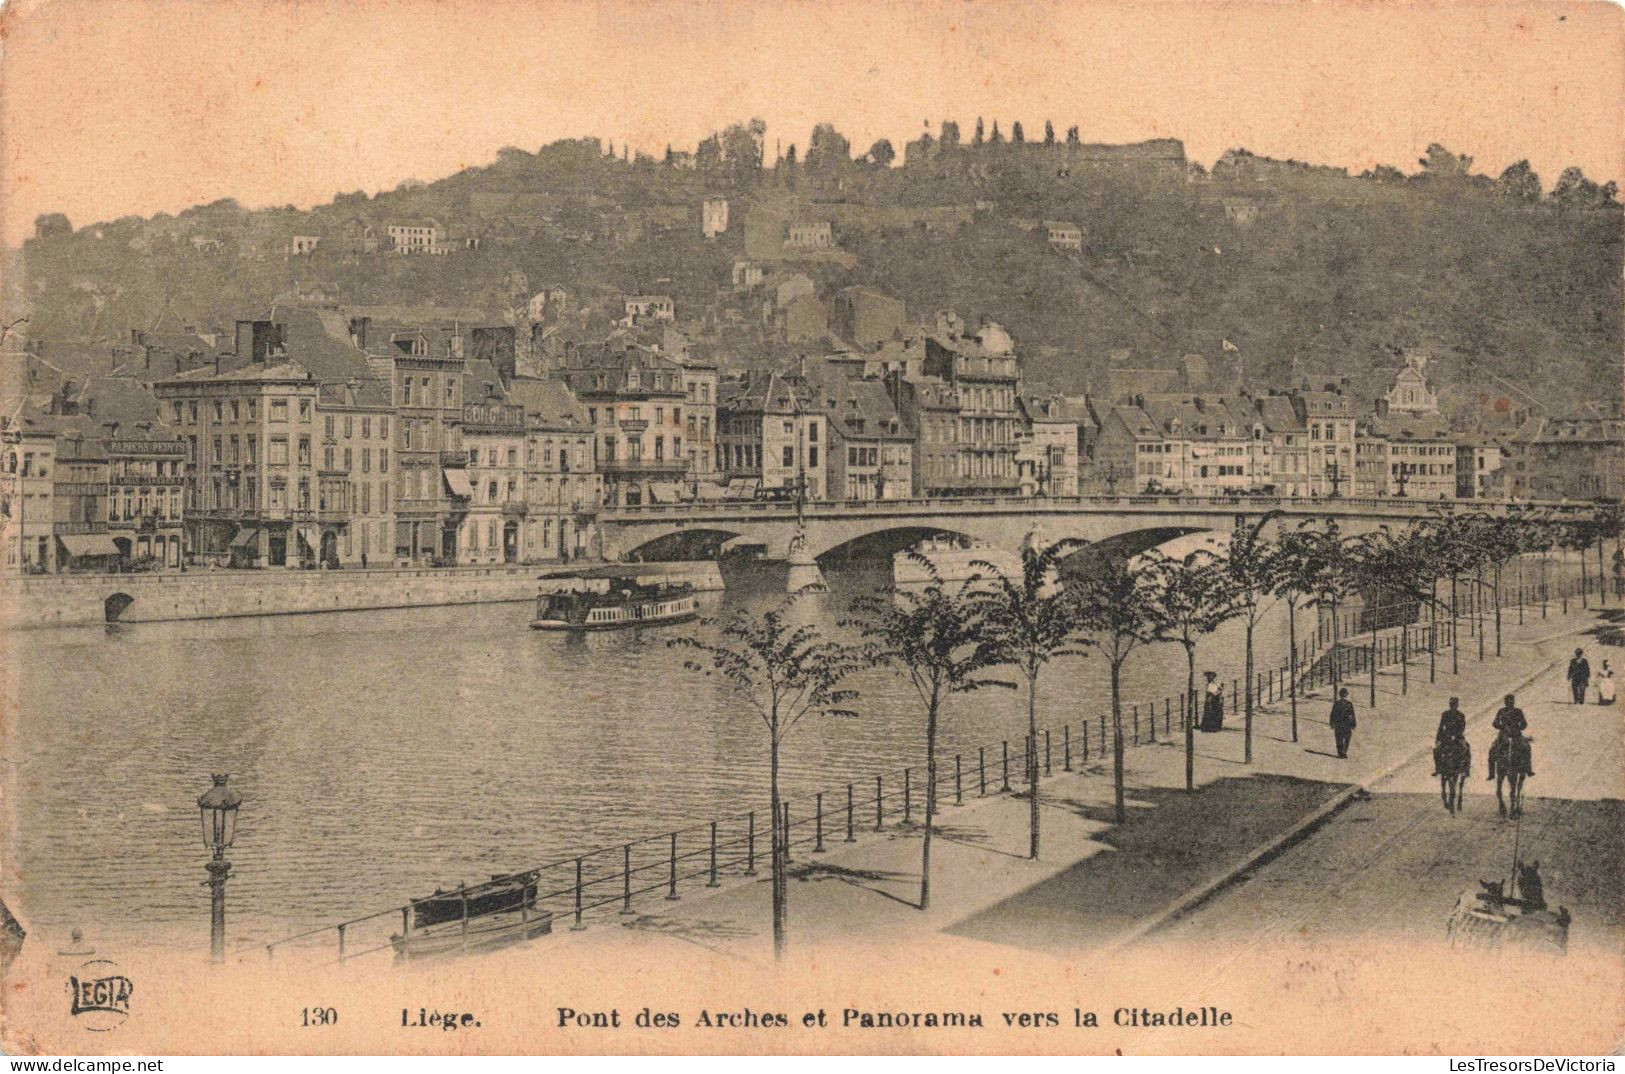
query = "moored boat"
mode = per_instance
[{"x": 618, "y": 606}]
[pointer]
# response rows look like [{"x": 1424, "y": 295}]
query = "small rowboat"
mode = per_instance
[
  {"x": 477, "y": 917},
  {"x": 1490, "y": 924}
]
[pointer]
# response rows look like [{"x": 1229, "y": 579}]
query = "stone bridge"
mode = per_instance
[{"x": 835, "y": 529}]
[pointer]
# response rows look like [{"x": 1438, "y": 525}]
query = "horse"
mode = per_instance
[
  {"x": 1454, "y": 759},
  {"x": 1514, "y": 761}
]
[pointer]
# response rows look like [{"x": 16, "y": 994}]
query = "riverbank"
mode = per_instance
[
  {"x": 1100, "y": 884},
  {"x": 90, "y": 599}
]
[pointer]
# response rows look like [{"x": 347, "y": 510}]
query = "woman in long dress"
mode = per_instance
[
  {"x": 1212, "y": 705},
  {"x": 1605, "y": 684}
]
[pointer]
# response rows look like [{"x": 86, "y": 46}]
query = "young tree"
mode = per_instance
[
  {"x": 1030, "y": 621},
  {"x": 1293, "y": 578},
  {"x": 1117, "y": 607},
  {"x": 784, "y": 671},
  {"x": 936, "y": 639},
  {"x": 1251, "y": 569},
  {"x": 1194, "y": 596},
  {"x": 1049, "y": 133}
]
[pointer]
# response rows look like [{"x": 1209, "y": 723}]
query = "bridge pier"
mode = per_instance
[{"x": 803, "y": 571}]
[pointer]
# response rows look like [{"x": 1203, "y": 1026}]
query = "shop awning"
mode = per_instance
[
  {"x": 457, "y": 481},
  {"x": 312, "y": 539},
  {"x": 245, "y": 537},
  {"x": 88, "y": 544},
  {"x": 665, "y": 492}
]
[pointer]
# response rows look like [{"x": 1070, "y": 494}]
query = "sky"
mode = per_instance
[{"x": 116, "y": 107}]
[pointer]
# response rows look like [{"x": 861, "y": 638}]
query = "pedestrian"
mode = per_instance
[
  {"x": 1579, "y": 676},
  {"x": 1452, "y": 726},
  {"x": 363, "y": 561},
  {"x": 1212, "y": 704},
  {"x": 1343, "y": 721},
  {"x": 1605, "y": 684},
  {"x": 1511, "y": 723}
]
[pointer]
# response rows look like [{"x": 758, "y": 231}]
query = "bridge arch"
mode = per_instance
[
  {"x": 881, "y": 543},
  {"x": 114, "y": 606},
  {"x": 687, "y": 543}
]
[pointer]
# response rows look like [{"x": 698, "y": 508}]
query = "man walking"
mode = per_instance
[
  {"x": 1342, "y": 721},
  {"x": 1579, "y": 676}
]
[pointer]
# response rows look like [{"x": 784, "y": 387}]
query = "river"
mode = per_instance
[{"x": 383, "y": 753}]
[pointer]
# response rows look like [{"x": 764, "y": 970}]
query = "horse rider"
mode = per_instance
[
  {"x": 1511, "y": 724},
  {"x": 1452, "y": 728}
]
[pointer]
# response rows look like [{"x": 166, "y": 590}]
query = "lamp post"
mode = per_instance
[{"x": 218, "y": 806}]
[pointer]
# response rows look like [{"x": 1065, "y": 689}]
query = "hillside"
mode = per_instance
[{"x": 1307, "y": 272}]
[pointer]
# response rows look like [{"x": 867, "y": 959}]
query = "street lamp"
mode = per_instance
[{"x": 218, "y": 806}]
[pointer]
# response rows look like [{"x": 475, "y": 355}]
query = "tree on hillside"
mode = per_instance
[
  {"x": 995, "y": 137},
  {"x": 949, "y": 141},
  {"x": 1574, "y": 191},
  {"x": 1017, "y": 136},
  {"x": 978, "y": 137},
  {"x": 1072, "y": 137},
  {"x": 51, "y": 226},
  {"x": 1441, "y": 163},
  {"x": 882, "y": 153},
  {"x": 1519, "y": 183},
  {"x": 827, "y": 150},
  {"x": 1049, "y": 133}
]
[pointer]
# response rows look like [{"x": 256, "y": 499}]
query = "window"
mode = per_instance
[
  {"x": 383, "y": 460},
  {"x": 279, "y": 410},
  {"x": 327, "y": 427},
  {"x": 366, "y": 459},
  {"x": 406, "y": 435},
  {"x": 349, "y": 426},
  {"x": 304, "y": 451},
  {"x": 451, "y": 390},
  {"x": 789, "y": 456},
  {"x": 383, "y": 428},
  {"x": 406, "y": 392},
  {"x": 176, "y": 409},
  {"x": 192, "y": 408},
  {"x": 219, "y": 410},
  {"x": 366, "y": 427},
  {"x": 277, "y": 454},
  {"x": 253, "y": 449},
  {"x": 214, "y": 455},
  {"x": 812, "y": 432},
  {"x": 304, "y": 411},
  {"x": 348, "y": 459},
  {"x": 327, "y": 458},
  {"x": 513, "y": 456},
  {"x": 253, "y": 409}
]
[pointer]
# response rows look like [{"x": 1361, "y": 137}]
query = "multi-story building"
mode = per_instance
[
  {"x": 1478, "y": 467},
  {"x": 1064, "y": 235},
  {"x": 985, "y": 375},
  {"x": 1419, "y": 460},
  {"x": 929, "y": 408},
  {"x": 1578, "y": 455},
  {"x": 146, "y": 483},
  {"x": 356, "y": 449},
  {"x": 1130, "y": 453},
  {"x": 562, "y": 491},
  {"x": 772, "y": 434},
  {"x": 1330, "y": 420},
  {"x": 495, "y": 434},
  {"x": 1411, "y": 392},
  {"x": 1047, "y": 457},
  {"x": 27, "y": 497},
  {"x": 635, "y": 401},
  {"x": 417, "y": 236},
  {"x": 869, "y": 452},
  {"x": 1288, "y": 437},
  {"x": 641, "y": 309},
  {"x": 1207, "y": 448},
  {"x": 79, "y": 504},
  {"x": 864, "y": 316},
  {"x": 700, "y": 385}
]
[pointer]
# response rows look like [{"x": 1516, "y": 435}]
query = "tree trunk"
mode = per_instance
[
  {"x": 1337, "y": 656},
  {"x": 1497, "y": 609},
  {"x": 1585, "y": 578},
  {"x": 1478, "y": 608},
  {"x": 1247, "y": 725},
  {"x": 1190, "y": 716},
  {"x": 780, "y": 891},
  {"x": 1405, "y": 652},
  {"x": 1372, "y": 703},
  {"x": 1117, "y": 738},
  {"x": 1032, "y": 758},
  {"x": 930, "y": 799},
  {"x": 1433, "y": 629},
  {"x": 1455, "y": 642},
  {"x": 1292, "y": 660}
]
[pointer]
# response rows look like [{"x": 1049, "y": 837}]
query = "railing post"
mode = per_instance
[
  {"x": 880, "y": 810},
  {"x": 406, "y": 930},
  {"x": 626, "y": 879},
  {"x": 818, "y": 824},
  {"x": 465, "y": 917},
  {"x": 1136, "y": 740},
  {"x": 671, "y": 892},
  {"x": 1100, "y": 743},
  {"x": 1083, "y": 747},
  {"x": 341, "y": 943},
  {"x": 908, "y": 802},
  {"x": 575, "y": 926},
  {"x": 1006, "y": 786},
  {"x": 1048, "y": 770},
  {"x": 750, "y": 845},
  {"x": 959, "y": 788},
  {"x": 1066, "y": 747},
  {"x": 1167, "y": 715},
  {"x": 712, "y": 883},
  {"x": 981, "y": 771},
  {"x": 850, "y": 838}
]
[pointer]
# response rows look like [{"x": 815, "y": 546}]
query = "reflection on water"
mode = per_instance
[{"x": 382, "y": 753}]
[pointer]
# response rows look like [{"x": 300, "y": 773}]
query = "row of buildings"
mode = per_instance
[{"x": 315, "y": 437}]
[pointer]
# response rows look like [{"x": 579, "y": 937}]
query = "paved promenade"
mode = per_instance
[{"x": 1100, "y": 884}]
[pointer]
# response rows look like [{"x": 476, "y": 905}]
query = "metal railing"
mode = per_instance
[{"x": 613, "y": 880}]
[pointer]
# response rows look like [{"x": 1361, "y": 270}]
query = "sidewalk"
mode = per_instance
[{"x": 1098, "y": 883}]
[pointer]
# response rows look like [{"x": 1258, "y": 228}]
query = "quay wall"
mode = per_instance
[{"x": 82, "y": 599}]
